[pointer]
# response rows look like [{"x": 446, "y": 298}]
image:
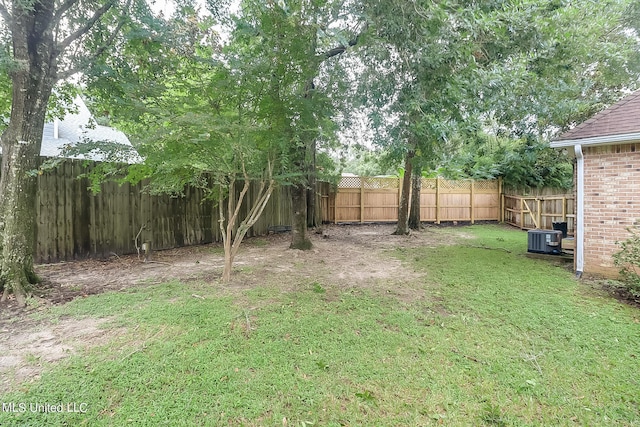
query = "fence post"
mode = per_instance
[
  {"x": 502, "y": 201},
  {"x": 539, "y": 213},
  {"x": 521, "y": 213},
  {"x": 472, "y": 201},
  {"x": 361, "y": 200},
  {"x": 437, "y": 200}
]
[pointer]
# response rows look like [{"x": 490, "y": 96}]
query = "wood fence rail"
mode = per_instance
[
  {"x": 530, "y": 212},
  {"x": 366, "y": 199}
]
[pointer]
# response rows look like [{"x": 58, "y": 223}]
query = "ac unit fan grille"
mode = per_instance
[{"x": 545, "y": 241}]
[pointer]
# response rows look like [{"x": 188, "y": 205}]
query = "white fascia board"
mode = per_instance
[{"x": 597, "y": 140}]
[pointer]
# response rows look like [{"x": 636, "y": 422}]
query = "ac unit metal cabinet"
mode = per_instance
[{"x": 545, "y": 241}]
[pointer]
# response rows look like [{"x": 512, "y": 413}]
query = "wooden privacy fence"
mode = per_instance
[
  {"x": 72, "y": 223},
  {"x": 365, "y": 199},
  {"x": 530, "y": 211}
]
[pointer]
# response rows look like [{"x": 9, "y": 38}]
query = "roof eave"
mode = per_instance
[{"x": 598, "y": 140}]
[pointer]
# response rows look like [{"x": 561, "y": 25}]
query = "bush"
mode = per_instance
[
  {"x": 523, "y": 163},
  {"x": 628, "y": 260}
]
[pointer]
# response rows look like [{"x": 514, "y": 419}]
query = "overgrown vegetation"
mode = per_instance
[
  {"x": 500, "y": 339},
  {"x": 522, "y": 163},
  {"x": 628, "y": 260}
]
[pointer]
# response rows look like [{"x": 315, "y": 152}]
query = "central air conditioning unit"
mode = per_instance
[{"x": 545, "y": 241}]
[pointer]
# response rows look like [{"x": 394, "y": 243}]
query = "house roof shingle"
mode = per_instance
[
  {"x": 620, "y": 119},
  {"x": 76, "y": 127}
]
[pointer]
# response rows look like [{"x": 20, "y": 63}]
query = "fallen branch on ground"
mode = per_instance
[{"x": 487, "y": 247}]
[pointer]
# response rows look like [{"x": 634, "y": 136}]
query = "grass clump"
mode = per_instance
[{"x": 500, "y": 339}]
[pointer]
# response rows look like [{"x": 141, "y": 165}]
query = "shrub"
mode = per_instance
[{"x": 628, "y": 260}]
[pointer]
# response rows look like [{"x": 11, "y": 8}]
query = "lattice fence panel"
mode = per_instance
[
  {"x": 429, "y": 183},
  {"x": 381, "y": 183},
  {"x": 370, "y": 183},
  {"x": 445, "y": 184},
  {"x": 492, "y": 185},
  {"x": 349, "y": 182}
]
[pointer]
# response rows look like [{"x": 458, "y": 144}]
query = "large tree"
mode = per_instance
[
  {"x": 295, "y": 45},
  {"x": 561, "y": 63},
  {"x": 203, "y": 115},
  {"x": 203, "y": 128},
  {"x": 50, "y": 41},
  {"x": 192, "y": 107},
  {"x": 426, "y": 49},
  {"x": 525, "y": 67}
]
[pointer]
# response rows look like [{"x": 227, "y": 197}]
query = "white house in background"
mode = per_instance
[{"x": 81, "y": 126}]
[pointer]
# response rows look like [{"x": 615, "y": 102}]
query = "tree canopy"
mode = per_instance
[
  {"x": 467, "y": 88},
  {"x": 442, "y": 74}
]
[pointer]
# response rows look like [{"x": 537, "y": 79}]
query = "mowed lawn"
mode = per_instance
[{"x": 492, "y": 338}]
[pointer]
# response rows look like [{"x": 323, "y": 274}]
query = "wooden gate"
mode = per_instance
[{"x": 530, "y": 212}]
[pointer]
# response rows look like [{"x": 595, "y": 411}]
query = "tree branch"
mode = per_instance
[
  {"x": 342, "y": 48},
  {"x": 243, "y": 192},
  {"x": 221, "y": 214},
  {"x": 100, "y": 50},
  {"x": 86, "y": 27},
  {"x": 62, "y": 10},
  {"x": 4, "y": 12},
  {"x": 6, "y": 15},
  {"x": 335, "y": 51}
]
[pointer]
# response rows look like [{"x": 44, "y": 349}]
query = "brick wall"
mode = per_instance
[{"x": 611, "y": 202}]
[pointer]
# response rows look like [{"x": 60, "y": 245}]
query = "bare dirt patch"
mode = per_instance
[
  {"x": 26, "y": 348},
  {"x": 343, "y": 257},
  {"x": 349, "y": 255}
]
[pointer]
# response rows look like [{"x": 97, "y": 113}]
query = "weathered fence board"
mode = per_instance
[
  {"x": 73, "y": 223},
  {"x": 364, "y": 199}
]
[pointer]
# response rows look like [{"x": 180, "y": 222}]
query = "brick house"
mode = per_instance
[{"x": 607, "y": 182}]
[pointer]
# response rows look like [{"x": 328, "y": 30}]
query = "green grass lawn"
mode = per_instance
[{"x": 499, "y": 339}]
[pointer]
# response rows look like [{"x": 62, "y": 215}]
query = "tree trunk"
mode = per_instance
[
  {"x": 299, "y": 239},
  {"x": 18, "y": 208},
  {"x": 403, "y": 210},
  {"x": 227, "y": 230},
  {"x": 300, "y": 190},
  {"x": 228, "y": 262},
  {"x": 311, "y": 191},
  {"x": 231, "y": 239},
  {"x": 416, "y": 187},
  {"x": 32, "y": 80}
]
